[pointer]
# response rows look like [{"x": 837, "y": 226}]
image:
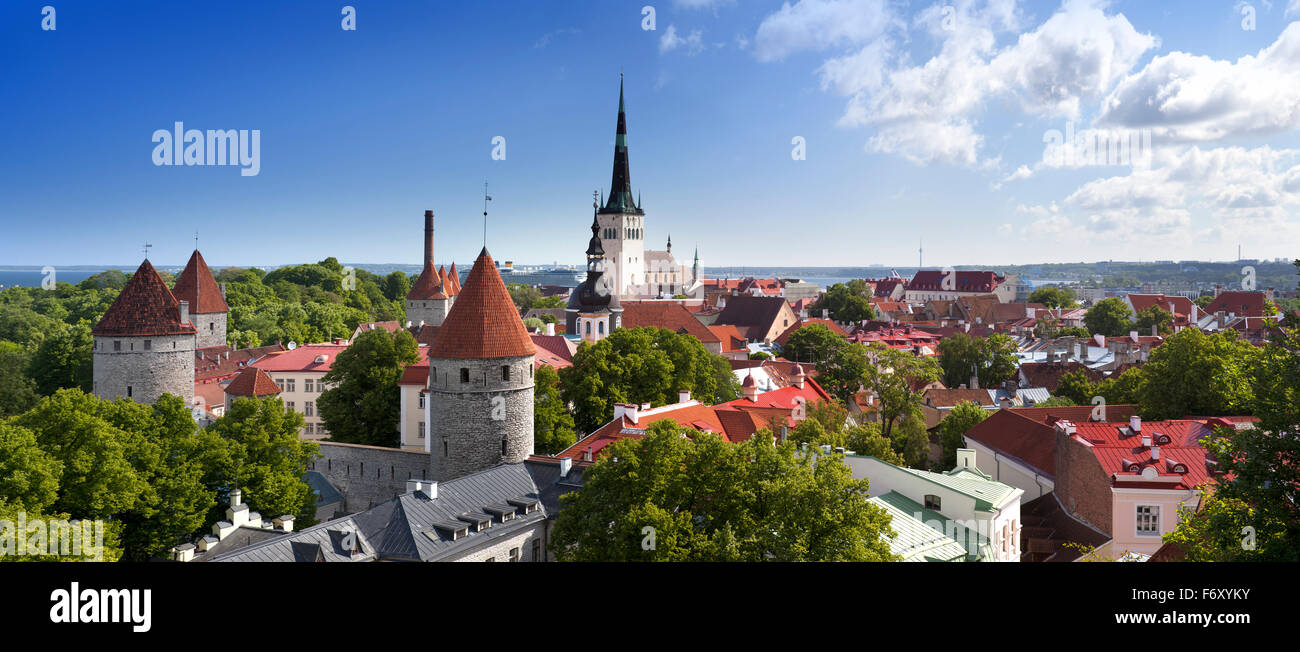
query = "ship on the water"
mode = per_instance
[{"x": 560, "y": 275}]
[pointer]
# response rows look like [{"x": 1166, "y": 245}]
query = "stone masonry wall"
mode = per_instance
[
  {"x": 430, "y": 311},
  {"x": 369, "y": 475},
  {"x": 468, "y": 421},
  {"x": 1082, "y": 486},
  {"x": 166, "y": 367},
  {"x": 211, "y": 328}
]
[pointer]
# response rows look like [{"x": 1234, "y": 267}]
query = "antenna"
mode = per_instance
[{"x": 486, "y": 198}]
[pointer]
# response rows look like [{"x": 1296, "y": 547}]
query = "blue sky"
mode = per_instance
[{"x": 920, "y": 121}]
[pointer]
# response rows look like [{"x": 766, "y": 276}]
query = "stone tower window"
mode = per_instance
[
  {"x": 464, "y": 374},
  {"x": 505, "y": 372},
  {"x": 128, "y": 391},
  {"x": 148, "y": 345},
  {"x": 503, "y": 447}
]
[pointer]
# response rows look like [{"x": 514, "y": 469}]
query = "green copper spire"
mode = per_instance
[{"x": 620, "y": 186}]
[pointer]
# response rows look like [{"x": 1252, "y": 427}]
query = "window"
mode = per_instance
[
  {"x": 600, "y": 327},
  {"x": 435, "y": 374},
  {"x": 589, "y": 328},
  {"x": 128, "y": 391},
  {"x": 505, "y": 372},
  {"x": 1148, "y": 520},
  {"x": 464, "y": 374},
  {"x": 289, "y": 384},
  {"x": 309, "y": 429},
  {"x": 148, "y": 345},
  {"x": 117, "y": 345},
  {"x": 307, "y": 386},
  {"x": 444, "y": 448},
  {"x": 288, "y": 406},
  {"x": 503, "y": 447},
  {"x": 490, "y": 559},
  {"x": 422, "y": 401},
  {"x": 212, "y": 326},
  {"x": 421, "y": 430},
  {"x": 308, "y": 409},
  {"x": 537, "y": 550},
  {"x": 514, "y": 554},
  {"x": 933, "y": 502}
]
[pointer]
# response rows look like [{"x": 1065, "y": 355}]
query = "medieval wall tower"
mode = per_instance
[
  {"x": 434, "y": 292},
  {"x": 144, "y": 345},
  {"x": 480, "y": 406},
  {"x": 207, "y": 301}
]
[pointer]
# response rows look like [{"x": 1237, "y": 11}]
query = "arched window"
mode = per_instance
[
  {"x": 600, "y": 327},
  {"x": 589, "y": 328}
]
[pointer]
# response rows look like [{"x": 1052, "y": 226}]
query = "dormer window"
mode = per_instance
[
  {"x": 1162, "y": 440},
  {"x": 933, "y": 502}
]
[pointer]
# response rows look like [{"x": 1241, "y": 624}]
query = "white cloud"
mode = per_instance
[
  {"x": 818, "y": 25},
  {"x": 1022, "y": 172},
  {"x": 1189, "y": 98},
  {"x": 692, "y": 44},
  {"x": 1292, "y": 8},
  {"x": 928, "y": 112}
]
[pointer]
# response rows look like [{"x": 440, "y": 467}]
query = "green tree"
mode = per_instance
[
  {"x": 1053, "y": 297},
  {"x": 264, "y": 458},
  {"x": 17, "y": 390},
  {"x": 849, "y": 302},
  {"x": 1154, "y": 316},
  {"x": 991, "y": 359},
  {"x": 1194, "y": 373},
  {"x": 64, "y": 360},
  {"x": 813, "y": 343},
  {"x": 953, "y": 428},
  {"x": 363, "y": 402},
  {"x": 1110, "y": 317},
  {"x": 29, "y": 477},
  {"x": 709, "y": 500},
  {"x": 642, "y": 365},
  {"x": 894, "y": 377},
  {"x": 553, "y": 429}
]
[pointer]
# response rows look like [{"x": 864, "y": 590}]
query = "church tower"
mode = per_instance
[
  {"x": 622, "y": 221},
  {"x": 208, "y": 307},
  {"x": 480, "y": 405},
  {"x": 431, "y": 297},
  {"x": 594, "y": 310},
  {"x": 144, "y": 344}
]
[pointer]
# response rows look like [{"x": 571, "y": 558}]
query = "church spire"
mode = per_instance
[{"x": 620, "y": 186}]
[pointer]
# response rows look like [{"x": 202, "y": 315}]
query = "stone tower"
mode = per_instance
[
  {"x": 207, "y": 301},
  {"x": 480, "y": 406},
  {"x": 431, "y": 297},
  {"x": 144, "y": 345},
  {"x": 622, "y": 221},
  {"x": 594, "y": 310}
]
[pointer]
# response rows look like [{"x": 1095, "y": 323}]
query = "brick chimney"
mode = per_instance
[
  {"x": 428, "y": 237},
  {"x": 184, "y": 310}
]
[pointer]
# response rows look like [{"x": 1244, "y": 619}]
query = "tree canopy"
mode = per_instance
[
  {"x": 847, "y": 302},
  {"x": 991, "y": 359},
  {"x": 363, "y": 402},
  {"x": 681, "y": 495},
  {"x": 1053, "y": 297},
  {"x": 1110, "y": 317}
]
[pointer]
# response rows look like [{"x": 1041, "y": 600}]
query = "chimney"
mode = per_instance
[
  {"x": 966, "y": 458},
  {"x": 645, "y": 407},
  {"x": 183, "y": 552},
  {"x": 683, "y": 395},
  {"x": 1154, "y": 330},
  {"x": 223, "y": 291},
  {"x": 586, "y": 455},
  {"x": 550, "y": 329},
  {"x": 1218, "y": 289},
  {"x": 428, "y": 237},
  {"x": 413, "y": 486},
  {"x": 799, "y": 376},
  {"x": 826, "y": 313},
  {"x": 184, "y": 310},
  {"x": 1135, "y": 423},
  {"x": 284, "y": 522},
  {"x": 1155, "y": 452},
  {"x": 565, "y": 465},
  {"x": 1146, "y": 441},
  {"x": 1004, "y": 403},
  {"x": 236, "y": 497},
  {"x": 1133, "y": 335}
]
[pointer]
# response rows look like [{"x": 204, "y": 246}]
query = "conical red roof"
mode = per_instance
[
  {"x": 428, "y": 286},
  {"x": 252, "y": 382},
  {"x": 197, "y": 286},
  {"x": 453, "y": 277},
  {"x": 144, "y": 307},
  {"x": 483, "y": 322}
]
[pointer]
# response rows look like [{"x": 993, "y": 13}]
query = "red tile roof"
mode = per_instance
[
  {"x": 252, "y": 382},
  {"x": 1049, "y": 374},
  {"x": 1244, "y": 304},
  {"x": 732, "y": 340},
  {"x": 483, "y": 321},
  {"x": 217, "y": 362},
  {"x": 1028, "y": 434},
  {"x": 1181, "y": 306},
  {"x": 428, "y": 286},
  {"x": 144, "y": 307},
  {"x": 966, "y": 281},
  {"x": 554, "y": 350},
  {"x": 453, "y": 277},
  {"x": 1125, "y": 458},
  {"x": 669, "y": 315},
  {"x": 196, "y": 285},
  {"x": 302, "y": 358},
  {"x": 417, "y": 373}
]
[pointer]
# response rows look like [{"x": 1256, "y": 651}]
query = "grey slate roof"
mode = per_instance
[{"x": 402, "y": 529}]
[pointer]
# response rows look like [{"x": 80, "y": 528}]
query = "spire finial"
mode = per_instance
[
  {"x": 486, "y": 198},
  {"x": 196, "y": 239},
  {"x": 145, "y": 249}
]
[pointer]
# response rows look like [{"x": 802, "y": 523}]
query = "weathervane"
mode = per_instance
[
  {"x": 486, "y": 198},
  {"x": 145, "y": 249}
]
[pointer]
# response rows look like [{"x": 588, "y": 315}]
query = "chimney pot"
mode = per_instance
[{"x": 184, "y": 310}]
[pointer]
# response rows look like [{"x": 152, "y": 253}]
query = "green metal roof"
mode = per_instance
[
  {"x": 916, "y": 541},
  {"x": 989, "y": 494}
]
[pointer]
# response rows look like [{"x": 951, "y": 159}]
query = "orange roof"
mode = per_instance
[
  {"x": 554, "y": 350},
  {"x": 483, "y": 322},
  {"x": 453, "y": 278},
  {"x": 252, "y": 382},
  {"x": 197, "y": 286},
  {"x": 302, "y": 358},
  {"x": 732, "y": 340},
  {"x": 144, "y": 307},
  {"x": 428, "y": 286},
  {"x": 668, "y": 315}
]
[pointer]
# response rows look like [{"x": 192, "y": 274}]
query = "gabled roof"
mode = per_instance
[
  {"x": 196, "y": 285},
  {"x": 750, "y": 312},
  {"x": 428, "y": 287},
  {"x": 1243, "y": 304},
  {"x": 554, "y": 350},
  {"x": 1048, "y": 374},
  {"x": 1118, "y": 452},
  {"x": 302, "y": 358},
  {"x": 252, "y": 382},
  {"x": 669, "y": 315},
  {"x": 144, "y": 307},
  {"x": 964, "y": 281},
  {"x": 483, "y": 322},
  {"x": 1181, "y": 306}
]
